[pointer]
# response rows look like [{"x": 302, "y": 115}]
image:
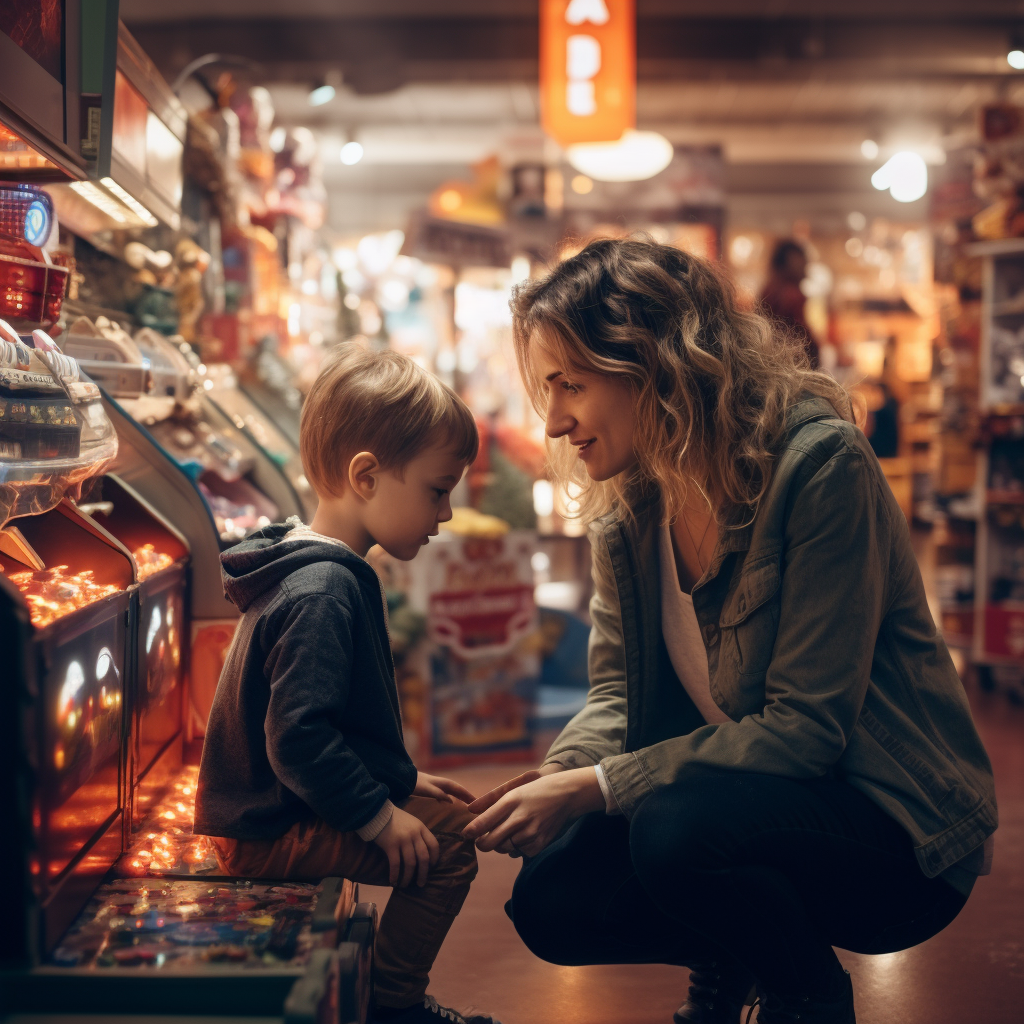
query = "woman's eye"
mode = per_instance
[{"x": 571, "y": 388}]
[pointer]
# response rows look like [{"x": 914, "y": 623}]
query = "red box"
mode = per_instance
[{"x": 1004, "y": 630}]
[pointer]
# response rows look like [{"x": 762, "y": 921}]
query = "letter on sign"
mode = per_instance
[{"x": 588, "y": 69}]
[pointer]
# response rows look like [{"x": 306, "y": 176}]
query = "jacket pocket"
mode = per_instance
[{"x": 750, "y": 619}]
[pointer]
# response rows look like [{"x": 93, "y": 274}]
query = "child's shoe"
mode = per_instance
[{"x": 430, "y": 1012}]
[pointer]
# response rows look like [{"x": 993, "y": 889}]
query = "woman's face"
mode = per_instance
[{"x": 595, "y": 411}]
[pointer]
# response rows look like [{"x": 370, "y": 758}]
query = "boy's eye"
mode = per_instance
[{"x": 440, "y": 492}]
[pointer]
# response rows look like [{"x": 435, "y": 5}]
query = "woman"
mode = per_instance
[{"x": 776, "y": 755}]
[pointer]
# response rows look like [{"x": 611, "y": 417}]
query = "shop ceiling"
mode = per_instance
[{"x": 789, "y": 89}]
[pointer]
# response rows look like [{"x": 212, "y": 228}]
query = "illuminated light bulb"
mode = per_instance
[
  {"x": 581, "y": 184},
  {"x": 636, "y": 156},
  {"x": 351, "y": 153},
  {"x": 449, "y": 200},
  {"x": 904, "y": 174},
  {"x": 1015, "y": 58},
  {"x": 321, "y": 95},
  {"x": 869, "y": 149}
]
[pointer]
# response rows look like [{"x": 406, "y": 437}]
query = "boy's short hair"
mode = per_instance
[{"x": 379, "y": 402}]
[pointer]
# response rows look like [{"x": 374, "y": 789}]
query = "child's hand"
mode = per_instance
[
  {"x": 410, "y": 847},
  {"x": 440, "y": 788}
]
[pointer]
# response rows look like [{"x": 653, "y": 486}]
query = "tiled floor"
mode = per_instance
[{"x": 972, "y": 973}]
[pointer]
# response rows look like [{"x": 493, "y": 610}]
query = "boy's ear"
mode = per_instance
[{"x": 362, "y": 474}]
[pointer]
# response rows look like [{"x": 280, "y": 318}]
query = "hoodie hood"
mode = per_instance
[{"x": 266, "y": 557}]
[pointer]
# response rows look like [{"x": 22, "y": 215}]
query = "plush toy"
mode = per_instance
[{"x": 192, "y": 262}]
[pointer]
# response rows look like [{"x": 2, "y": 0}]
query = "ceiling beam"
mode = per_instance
[{"x": 379, "y": 54}]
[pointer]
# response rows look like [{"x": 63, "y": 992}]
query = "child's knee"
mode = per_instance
[{"x": 458, "y": 856}]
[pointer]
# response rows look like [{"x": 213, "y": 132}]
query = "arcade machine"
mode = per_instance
[
  {"x": 116, "y": 904},
  {"x": 108, "y": 550}
]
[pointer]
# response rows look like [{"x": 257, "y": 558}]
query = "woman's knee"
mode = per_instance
[
  {"x": 545, "y": 910},
  {"x": 682, "y": 827}
]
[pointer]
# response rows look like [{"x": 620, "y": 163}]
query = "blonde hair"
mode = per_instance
[
  {"x": 711, "y": 382},
  {"x": 383, "y": 403}
]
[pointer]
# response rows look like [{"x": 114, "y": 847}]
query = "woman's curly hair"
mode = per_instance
[{"x": 711, "y": 382}]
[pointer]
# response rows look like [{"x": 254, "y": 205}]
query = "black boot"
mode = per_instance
[
  {"x": 772, "y": 1010},
  {"x": 717, "y": 993}
]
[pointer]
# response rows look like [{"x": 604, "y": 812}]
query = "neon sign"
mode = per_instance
[{"x": 587, "y": 69}]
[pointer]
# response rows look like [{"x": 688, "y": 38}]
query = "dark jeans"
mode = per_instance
[{"x": 773, "y": 872}]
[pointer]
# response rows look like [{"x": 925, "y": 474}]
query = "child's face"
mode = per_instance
[{"x": 409, "y": 504}]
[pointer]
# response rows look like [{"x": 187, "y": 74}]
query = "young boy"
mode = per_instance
[{"x": 304, "y": 772}]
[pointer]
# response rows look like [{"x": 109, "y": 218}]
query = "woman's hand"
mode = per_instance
[
  {"x": 439, "y": 788},
  {"x": 489, "y": 799},
  {"x": 410, "y": 847},
  {"x": 526, "y": 813}
]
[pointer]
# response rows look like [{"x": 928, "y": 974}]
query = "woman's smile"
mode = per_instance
[{"x": 583, "y": 448}]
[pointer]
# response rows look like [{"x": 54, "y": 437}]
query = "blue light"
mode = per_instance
[{"x": 37, "y": 223}]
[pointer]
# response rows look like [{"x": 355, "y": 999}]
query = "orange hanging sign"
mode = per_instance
[{"x": 587, "y": 69}]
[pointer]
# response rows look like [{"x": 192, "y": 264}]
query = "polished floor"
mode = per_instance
[{"x": 972, "y": 973}]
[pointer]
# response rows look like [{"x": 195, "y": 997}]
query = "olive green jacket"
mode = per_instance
[{"x": 820, "y": 645}]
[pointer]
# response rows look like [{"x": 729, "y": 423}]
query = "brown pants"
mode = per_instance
[{"x": 415, "y": 921}]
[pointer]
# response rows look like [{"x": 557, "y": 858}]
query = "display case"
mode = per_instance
[
  {"x": 248, "y": 417},
  {"x": 114, "y": 905}
]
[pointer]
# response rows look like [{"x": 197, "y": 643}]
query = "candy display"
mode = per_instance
[
  {"x": 188, "y": 925},
  {"x": 150, "y": 561},
  {"x": 54, "y": 432},
  {"x": 54, "y": 593},
  {"x": 166, "y": 845}
]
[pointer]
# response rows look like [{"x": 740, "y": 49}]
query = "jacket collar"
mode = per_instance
[{"x": 808, "y": 408}]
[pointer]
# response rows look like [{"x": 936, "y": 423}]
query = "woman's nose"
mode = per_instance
[{"x": 558, "y": 422}]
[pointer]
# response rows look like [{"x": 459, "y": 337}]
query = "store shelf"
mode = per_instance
[{"x": 1004, "y": 497}]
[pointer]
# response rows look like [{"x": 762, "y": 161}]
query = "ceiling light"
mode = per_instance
[
  {"x": 1015, "y": 58},
  {"x": 320, "y": 95},
  {"x": 278, "y": 137},
  {"x": 904, "y": 174},
  {"x": 636, "y": 156},
  {"x": 351, "y": 153},
  {"x": 581, "y": 184},
  {"x": 869, "y": 149}
]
